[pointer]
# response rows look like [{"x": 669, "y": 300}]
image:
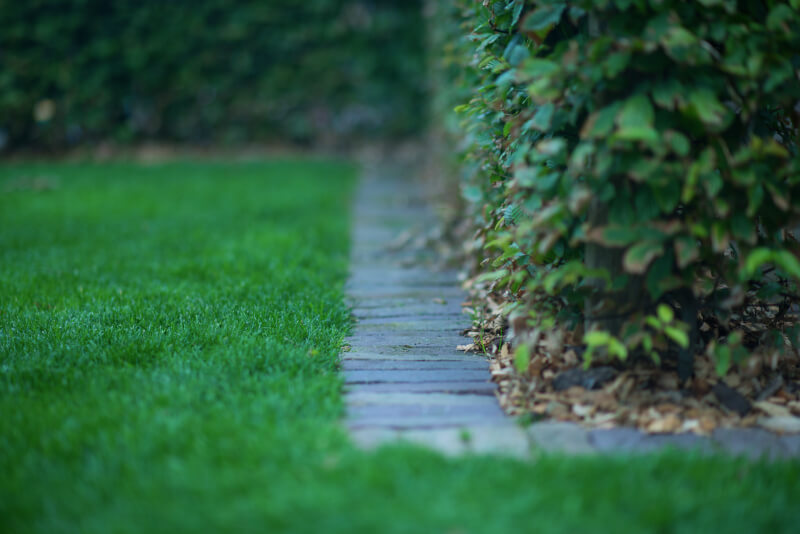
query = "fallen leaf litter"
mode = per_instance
[{"x": 763, "y": 392}]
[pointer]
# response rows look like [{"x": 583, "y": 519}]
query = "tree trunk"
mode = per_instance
[{"x": 607, "y": 309}]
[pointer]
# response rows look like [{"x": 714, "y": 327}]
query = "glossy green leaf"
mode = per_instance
[
  {"x": 687, "y": 250},
  {"x": 636, "y": 112},
  {"x": 677, "y": 335},
  {"x": 522, "y": 358},
  {"x": 708, "y": 108},
  {"x": 543, "y": 117},
  {"x": 639, "y": 256},
  {"x": 544, "y": 17},
  {"x": 665, "y": 313},
  {"x": 600, "y": 123},
  {"x": 755, "y": 259}
]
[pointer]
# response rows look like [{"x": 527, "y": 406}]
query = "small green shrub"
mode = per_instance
[
  {"x": 626, "y": 156},
  {"x": 208, "y": 70}
]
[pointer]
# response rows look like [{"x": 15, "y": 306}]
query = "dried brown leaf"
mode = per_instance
[
  {"x": 773, "y": 410},
  {"x": 670, "y": 423}
]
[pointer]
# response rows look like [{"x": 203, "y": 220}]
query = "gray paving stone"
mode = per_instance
[
  {"x": 410, "y": 289},
  {"x": 415, "y": 416},
  {"x": 400, "y": 334},
  {"x": 398, "y": 337},
  {"x": 370, "y": 275},
  {"x": 392, "y": 351},
  {"x": 486, "y": 423},
  {"x": 398, "y": 218},
  {"x": 753, "y": 443},
  {"x": 615, "y": 439},
  {"x": 370, "y": 438},
  {"x": 411, "y": 355},
  {"x": 374, "y": 365},
  {"x": 421, "y": 294},
  {"x": 416, "y": 320},
  {"x": 446, "y": 325},
  {"x": 429, "y": 302},
  {"x": 406, "y": 337},
  {"x": 378, "y": 376},
  {"x": 436, "y": 283},
  {"x": 560, "y": 437},
  {"x": 366, "y": 398},
  {"x": 416, "y": 311},
  {"x": 424, "y": 346},
  {"x": 686, "y": 442},
  {"x": 356, "y": 288},
  {"x": 508, "y": 440},
  {"x": 409, "y": 312},
  {"x": 411, "y": 415},
  {"x": 477, "y": 388},
  {"x": 447, "y": 441},
  {"x": 450, "y": 442},
  {"x": 379, "y": 212},
  {"x": 400, "y": 317},
  {"x": 791, "y": 444},
  {"x": 630, "y": 440},
  {"x": 405, "y": 307},
  {"x": 374, "y": 239}
]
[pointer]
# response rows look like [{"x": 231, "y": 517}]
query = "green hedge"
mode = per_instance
[
  {"x": 630, "y": 159},
  {"x": 209, "y": 70}
]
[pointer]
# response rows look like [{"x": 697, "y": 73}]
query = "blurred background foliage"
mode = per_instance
[{"x": 223, "y": 71}]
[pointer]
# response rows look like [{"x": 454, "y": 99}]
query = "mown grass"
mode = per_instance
[{"x": 168, "y": 348}]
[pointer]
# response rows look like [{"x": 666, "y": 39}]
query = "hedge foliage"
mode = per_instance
[
  {"x": 208, "y": 70},
  {"x": 630, "y": 159}
]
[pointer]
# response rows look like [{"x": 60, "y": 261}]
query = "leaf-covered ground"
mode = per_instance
[
  {"x": 546, "y": 378},
  {"x": 168, "y": 351}
]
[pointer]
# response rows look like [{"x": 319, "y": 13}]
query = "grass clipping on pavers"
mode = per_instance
[{"x": 764, "y": 391}]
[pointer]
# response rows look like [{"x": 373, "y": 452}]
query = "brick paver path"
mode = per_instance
[{"x": 405, "y": 378}]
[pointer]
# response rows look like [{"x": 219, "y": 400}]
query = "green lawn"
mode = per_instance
[{"x": 168, "y": 363}]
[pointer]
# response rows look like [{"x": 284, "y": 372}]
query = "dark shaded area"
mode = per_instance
[
  {"x": 731, "y": 399},
  {"x": 584, "y": 378},
  {"x": 224, "y": 71}
]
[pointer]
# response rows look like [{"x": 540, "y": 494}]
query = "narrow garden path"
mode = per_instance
[{"x": 405, "y": 378}]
